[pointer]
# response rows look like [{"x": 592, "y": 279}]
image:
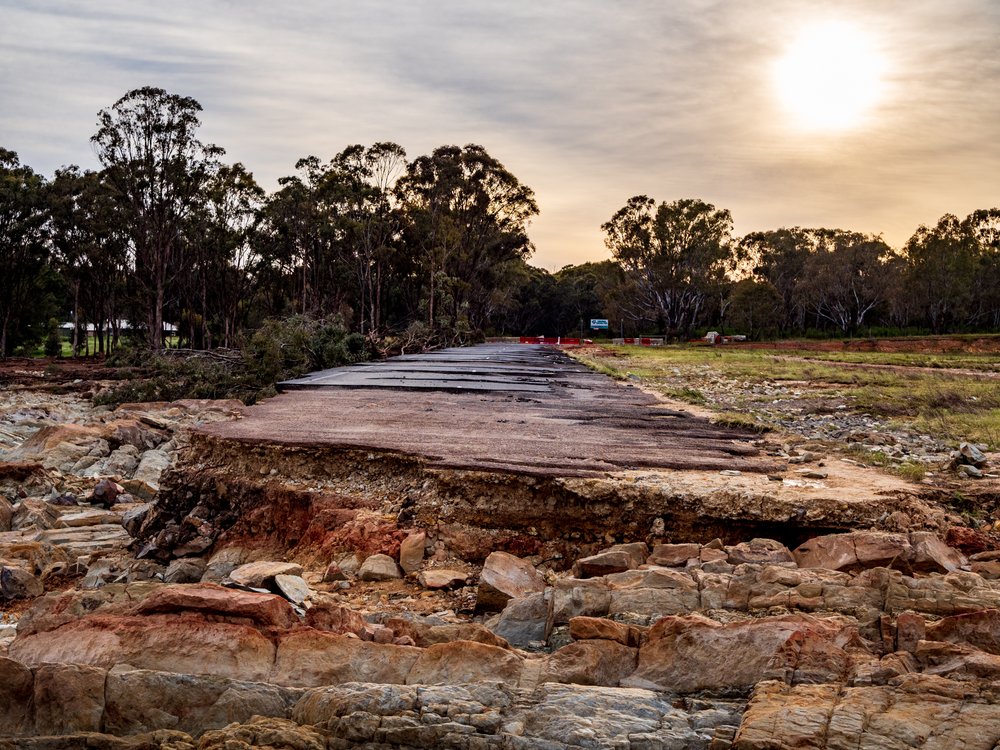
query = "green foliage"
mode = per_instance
[
  {"x": 281, "y": 349},
  {"x": 54, "y": 339}
]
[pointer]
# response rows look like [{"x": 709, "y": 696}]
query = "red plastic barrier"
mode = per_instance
[{"x": 554, "y": 340}]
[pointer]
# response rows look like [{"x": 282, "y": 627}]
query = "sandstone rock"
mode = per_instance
[
  {"x": 309, "y": 658},
  {"x": 981, "y": 630},
  {"x": 424, "y": 634},
  {"x": 88, "y": 517},
  {"x": 55, "y": 609},
  {"x": 920, "y": 711},
  {"x": 929, "y": 553},
  {"x": 411, "y": 552},
  {"x": 184, "y": 644},
  {"x": 58, "y": 446},
  {"x": 100, "y": 572},
  {"x": 18, "y": 583},
  {"x": 379, "y": 568},
  {"x": 575, "y": 597},
  {"x": 17, "y": 686},
  {"x": 68, "y": 698},
  {"x": 504, "y": 577},
  {"x": 526, "y": 620},
  {"x": 856, "y": 549},
  {"x": 258, "y": 574},
  {"x": 592, "y": 662},
  {"x": 673, "y": 555},
  {"x": 293, "y": 588},
  {"x": 759, "y": 552},
  {"x": 333, "y": 618},
  {"x": 33, "y": 514},
  {"x": 692, "y": 653},
  {"x": 121, "y": 463},
  {"x": 264, "y": 732},
  {"x": 142, "y": 701},
  {"x": 6, "y": 514},
  {"x": 185, "y": 570},
  {"x": 588, "y": 628},
  {"x": 150, "y": 468},
  {"x": 442, "y": 578},
  {"x": 263, "y": 610},
  {"x": 605, "y": 563},
  {"x": 462, "y": 662},
  {"x": 910, "y": 630}
]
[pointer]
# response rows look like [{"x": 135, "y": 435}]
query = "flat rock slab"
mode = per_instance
[{"x": 571, "y": 422}]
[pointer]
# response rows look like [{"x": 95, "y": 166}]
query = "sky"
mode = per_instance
[{"x": 871, "y": 115}]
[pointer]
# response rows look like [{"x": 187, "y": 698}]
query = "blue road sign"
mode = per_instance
[{"x": 597, "y": 323}]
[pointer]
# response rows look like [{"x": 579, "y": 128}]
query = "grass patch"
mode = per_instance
[
  {"x": 688, "y": 395},
  {"x": 740, "y": 421}
]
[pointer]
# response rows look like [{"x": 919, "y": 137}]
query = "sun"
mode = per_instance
[{"x": 830, "y": 77}]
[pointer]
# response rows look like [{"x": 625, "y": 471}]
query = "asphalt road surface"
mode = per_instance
[{"x": 497, "y": 407}]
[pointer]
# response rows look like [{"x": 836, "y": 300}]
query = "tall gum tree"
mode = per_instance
[{"x": 147, "y": 144}]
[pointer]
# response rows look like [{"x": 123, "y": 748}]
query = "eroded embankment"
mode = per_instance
[{"x": 310, "y": 502}]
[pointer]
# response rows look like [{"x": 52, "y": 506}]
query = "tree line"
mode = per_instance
[{"x": 424, "y": 251}]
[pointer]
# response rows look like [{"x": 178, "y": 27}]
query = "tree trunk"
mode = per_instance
[{"x": 76, "y": 317}]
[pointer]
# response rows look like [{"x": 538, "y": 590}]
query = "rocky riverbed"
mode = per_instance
[{"x": 162, "y": 588}]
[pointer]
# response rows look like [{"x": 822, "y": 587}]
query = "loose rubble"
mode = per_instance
[{"x": 155, "y": 595}]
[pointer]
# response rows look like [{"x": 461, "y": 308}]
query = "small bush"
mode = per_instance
[
  {"x": 281, "y": 349},
  {"x": 53, "y": 339}
]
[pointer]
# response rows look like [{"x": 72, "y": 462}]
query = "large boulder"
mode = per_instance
[
  {"x": 142, "y": 701},
  {"x": 17, "y": 582},
  {"x": 692, "y": 653},
  {"x": 68, "y": 698},
  {"x": 576, "y": 597},
  {"x": 379, "y": 568},
  {"x": 919, "y": 551},
  {"x": 17, "y": 686},
  {"x": 263, "y": 610},
  {"x": 333, "y": 618},
  {"x": 759, "y": 552},
  {"x": 526, "y": 621},
  {"x": 593, "y": 662},
  {"x": 462, "y": 662},
  {"x": 411, "y": 551},
  {"x": 259, "y": 574},
  {"x": 151, "y": 466},
  {"x": 505, "y": 577},
  {"x": 309, "y": 658},
  {"x": 185, "y": 644}
]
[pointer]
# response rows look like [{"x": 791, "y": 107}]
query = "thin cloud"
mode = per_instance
[{"x": 589, "y": 102}]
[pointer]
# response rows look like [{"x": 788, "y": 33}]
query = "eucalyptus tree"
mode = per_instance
[
  {"x": 674, "y": 256},
  {"x": 147, "y": 142},
  {"x": 221, "y": 252},
  {"x": 467, "y": 221},
  {"x": 23, "y": 250},
  {"x": 88, "y": 235}
]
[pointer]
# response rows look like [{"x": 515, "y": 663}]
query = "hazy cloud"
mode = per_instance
[{"x": 589, "y": 101}]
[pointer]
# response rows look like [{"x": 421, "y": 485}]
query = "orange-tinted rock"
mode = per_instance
[
  {"x": 309, "y": 658},
  {"x": 587, "y": 628},
  {"x": 17, "y": 684},
  {"x": 68, "y": 698},
  {"x": 505, "y": 577},
  {"x": 980, "y": 630},
  {"x": 183, "y": 643},
  {"x": 332, "y": 618},
  {"x": 465, "y": 661},
  {"x": 263, "y": 610},
  {"x": 593, "y": 662},
  {"x": 428, "y": 635},
  {"x": 674, "y": 555},
  {"x": 691, "y": 653}
]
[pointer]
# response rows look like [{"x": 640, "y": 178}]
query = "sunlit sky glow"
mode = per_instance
[{"x": 855, "y": 114}]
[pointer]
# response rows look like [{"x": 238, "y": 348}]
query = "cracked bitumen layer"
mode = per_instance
[{"x": 520, "y": 408}]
